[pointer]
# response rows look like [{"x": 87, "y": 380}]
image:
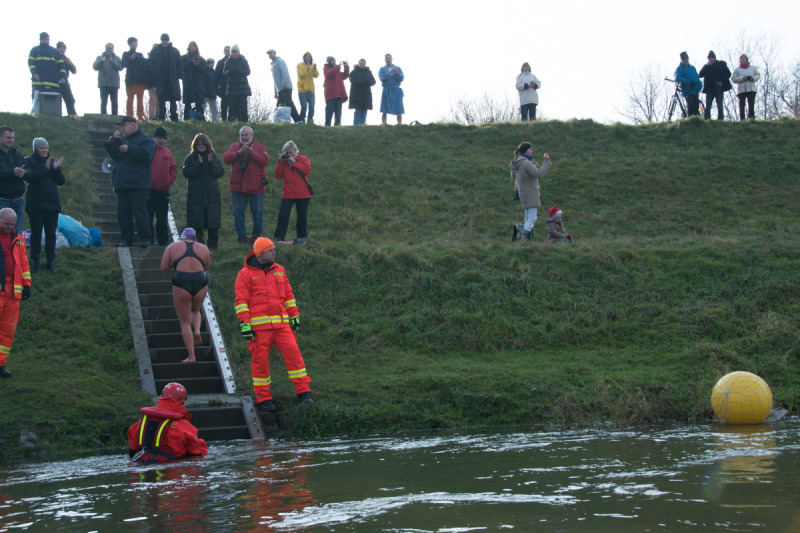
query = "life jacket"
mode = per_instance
[{"x": 151, "y": 433}]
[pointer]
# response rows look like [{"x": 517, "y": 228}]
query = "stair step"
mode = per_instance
[
  {"x": 177, "y": 354},
  {"x": 156, "y": 300},
  {"x": 210, "y": 434},
  {"x": 167, "y": 325},
  {"x": 166, "y": 312},
  {"x": 179, "y": 371},
  {"x": 196, "y": 385},
  {"x": 230, "y": 415},
  {"x": 151, "y": 275}
]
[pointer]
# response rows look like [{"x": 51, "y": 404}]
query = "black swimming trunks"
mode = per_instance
[{"x": 191, "y": 282}]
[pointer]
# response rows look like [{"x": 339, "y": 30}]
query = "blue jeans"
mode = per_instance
[
  {"x": 306, "y": 102},
  {"x": 239, "y": 201},
  {"x": 359, "y": 117},
  {"x": 18, "y": 205}
]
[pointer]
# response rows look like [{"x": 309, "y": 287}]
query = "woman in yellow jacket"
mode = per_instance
[{"x": 306, "y": 72}]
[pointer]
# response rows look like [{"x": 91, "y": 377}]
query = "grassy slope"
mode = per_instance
[{"x": 419, "y": 313}]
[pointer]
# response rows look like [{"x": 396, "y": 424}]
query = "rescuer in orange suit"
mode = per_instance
[
  {"x": 268, "y": 316},
  {"x": 15, "y": 281},
  {"x": 164, "y": 432}
]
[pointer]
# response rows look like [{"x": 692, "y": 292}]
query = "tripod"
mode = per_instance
[{"x": 677, "y": 100}]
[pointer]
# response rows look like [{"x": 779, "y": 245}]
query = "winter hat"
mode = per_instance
[
  {"x": 235, "y": 48},
  {"x": 712, "y": 54},
  {"x": 262, "y": 245},
  {"x": 165, "y": 37},
  {"x": 43, "y": 35},
  {"x": 161, "y": 132},
  {"x": 39, "y": 141},
  {"x": 553, "y": 211},
  {"x": 684, "y": 55},
  {"x": 188, "y": 233}
]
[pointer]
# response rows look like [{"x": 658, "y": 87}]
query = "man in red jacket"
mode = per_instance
[
  {"x": 163, "y": 170},
  {"x": 164, "y": 432},
  {"x": 15, "y": 278},
  {"x": 248, "y": 160},
  {"x": 268, "y": 316}
]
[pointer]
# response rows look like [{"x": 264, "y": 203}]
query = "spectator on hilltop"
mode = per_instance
[
  {"x": 203, "y": 169},
  {"x": 108, "y": 64},
  {"x": 47, "y": 68},
  {"x": 210, "y": 90},
  {"x": 745, "y": 77},
  {"x": 283, "y": 84},
  {"x": 137, "y": 78},
  {"x": 167, "y": 70},
  {"x": 236, "y": 70},
  {"x": 528, "y": 87},
  {"x": 555, "y": 226},
  {"x": 306, "y": 72},
  {"x": 194, "y": 83},
  {"x": 690, "y": 84},
  {"x": 163, "y": 170},
  {"x": 392, "y": 98},
  {"x": 717, "y": 81},
  {"x": 221, "y": 83},
  {"x": 335, "y": 92},
  {"x": 248, "y": 160},
  {"x": 66, "y": 90},
  {"x": 42, "y": 202},
  {"x": 361, "y": 82},
  {"x": 527, "y": 175}
]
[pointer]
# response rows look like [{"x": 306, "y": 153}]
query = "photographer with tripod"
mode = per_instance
[{"x": 686, "y": 74}]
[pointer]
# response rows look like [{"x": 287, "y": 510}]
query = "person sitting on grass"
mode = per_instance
[{"x": 555, "y": 226}]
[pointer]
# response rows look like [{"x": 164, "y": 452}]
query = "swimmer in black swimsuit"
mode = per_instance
[{"x": 189, "y": 285}]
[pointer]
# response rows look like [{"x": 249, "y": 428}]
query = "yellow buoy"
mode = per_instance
[{"x": 741, "y": 398}]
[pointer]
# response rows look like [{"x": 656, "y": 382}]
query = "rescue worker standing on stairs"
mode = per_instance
[
  {"x": 268, "y": 316},
  {"x": 15, "y": 277},
  {"x": 164, "y": 432}
]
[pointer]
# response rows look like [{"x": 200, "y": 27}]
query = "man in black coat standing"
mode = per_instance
[
  {"x": 716, "y": 82},
  {"x": 132, "y": 151},
  {"x": 221, "y": 84},
  {"x": 167, "y": 71}
]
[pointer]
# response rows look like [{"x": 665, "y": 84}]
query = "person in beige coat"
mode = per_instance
[
  {"x": 527, "y": 176},
  {"x": 745, "y": 77}
]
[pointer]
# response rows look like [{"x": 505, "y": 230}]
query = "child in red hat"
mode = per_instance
[{"x": 555, "y": 226}]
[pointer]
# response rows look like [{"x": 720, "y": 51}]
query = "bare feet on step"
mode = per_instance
[{"x": 189, "y": 359}]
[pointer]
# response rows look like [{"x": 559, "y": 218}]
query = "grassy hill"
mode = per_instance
[{"x": 418, "y": 312}]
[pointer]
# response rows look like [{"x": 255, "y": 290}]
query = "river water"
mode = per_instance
[{"x": 687, "y": 477}]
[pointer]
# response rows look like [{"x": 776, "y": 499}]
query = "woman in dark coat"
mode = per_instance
[
  {"x": 194, "y": 80},
  {"x": 361, "y": 82},
  {"x": 203, "y": 168},
  {"x": 42, "y": 201}
]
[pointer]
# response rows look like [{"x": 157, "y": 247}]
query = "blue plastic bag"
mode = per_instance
[{"x": 76, "y": 234}]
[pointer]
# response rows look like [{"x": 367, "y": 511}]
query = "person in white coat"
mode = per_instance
[
  {"x": 527, "y": 85},
  {"x": 745, "y": 77}
]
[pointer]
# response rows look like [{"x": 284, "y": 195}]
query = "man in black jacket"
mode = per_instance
[
  {"x": 716, "y": 82},
  {"x": 221, "y": 84},
  {"x": 167, "y": 70},
  {"x": 66, "y": 90},
  {"x": 12, "y": 174},
  {"x": 132, "y": 151},
  {"x": 137, "y": 78}
]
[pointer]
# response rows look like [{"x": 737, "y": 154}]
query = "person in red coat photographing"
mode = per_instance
[
  {"x": 293, "y": 170},
  {"x": 268, "y": 316},
  {"x": 164, "y": 432}
]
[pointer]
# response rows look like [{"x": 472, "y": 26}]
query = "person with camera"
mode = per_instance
[
  {"x": 361, "y": 82},
  {"x": 293, "y": 169},
  {"x": 335, "y": 93},
  {"x": 745, "y": 77},
  {"x": 391, "y": 77},
  {"x": 527, "y": 176},
  {"x": 194, "y": 83},
  {"x": 203, "y": 168},
  {"x": 690, "y": 85},
  {"x": 137, "y": 78},
  {"x": 528, "y": 86},
  {"x": 248, "y": 160},
  {"x": 306, "y": 72},
  {"x": 132, "y": 151},
  {"x": 108, "y": 64}
]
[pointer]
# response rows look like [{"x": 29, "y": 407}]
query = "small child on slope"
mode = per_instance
[{"x": 555, "y": 226}]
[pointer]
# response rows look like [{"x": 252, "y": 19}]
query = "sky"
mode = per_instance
[{"x": 581, "y": 51}]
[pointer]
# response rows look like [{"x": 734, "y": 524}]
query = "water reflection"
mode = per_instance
[{"x": 740, "y": 478}]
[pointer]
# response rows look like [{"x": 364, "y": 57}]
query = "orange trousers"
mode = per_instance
[
  {"x": 9, "y": 317},
  {"x": 285, "y": 341},
  {"x": 138, "y": 92}
]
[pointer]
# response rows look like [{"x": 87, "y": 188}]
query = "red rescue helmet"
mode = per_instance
[{"x": 174, "y": 391}]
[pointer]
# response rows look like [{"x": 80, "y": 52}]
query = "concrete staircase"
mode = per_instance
[{"x": 216, "y": 411}]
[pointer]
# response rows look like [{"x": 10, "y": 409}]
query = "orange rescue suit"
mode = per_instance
[{"x": 12, "y": 284}]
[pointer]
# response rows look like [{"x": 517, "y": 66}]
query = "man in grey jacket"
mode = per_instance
[
  {"x": 283, "y": 84},
  {"x": 108, "y": 64}
]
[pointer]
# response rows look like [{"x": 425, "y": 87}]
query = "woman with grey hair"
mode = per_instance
[{"x": 293, "y": 169}]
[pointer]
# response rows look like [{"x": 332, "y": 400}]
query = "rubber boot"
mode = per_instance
[
  {"x": 267, "y": 406},
  {"x": 51, "y": 264},
  {"x": 35, "y": 266},
  {"x": 528, "y": 236},
  {"x": 305, "y": 397}
]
